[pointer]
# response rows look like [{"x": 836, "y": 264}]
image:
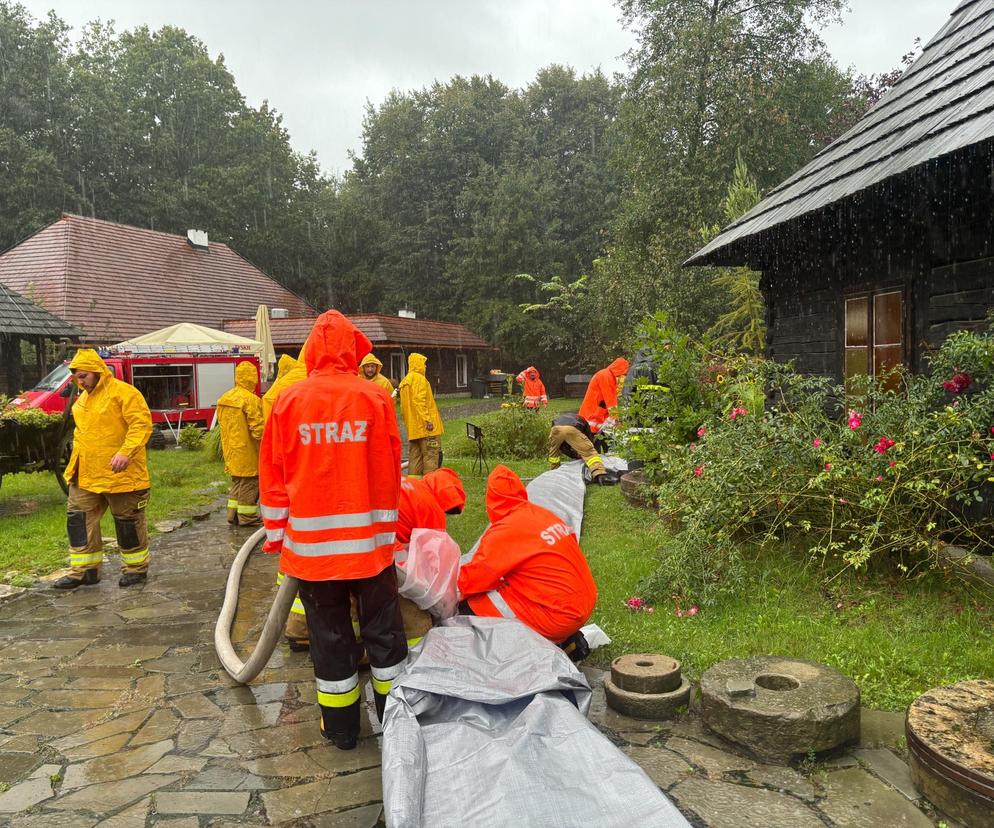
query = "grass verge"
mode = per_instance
[{"x": 33, "y": 508}]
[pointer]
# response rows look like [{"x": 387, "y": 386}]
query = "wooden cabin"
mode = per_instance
[{"x": 883, "y": 245}]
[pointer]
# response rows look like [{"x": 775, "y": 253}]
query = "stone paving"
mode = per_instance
[{"x": 114, "y": 712}]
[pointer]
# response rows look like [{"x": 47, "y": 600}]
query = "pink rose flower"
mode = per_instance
[
  {"x": 699, "y": 471},
  {"x": 828, "y": 467},
  {"x": 855, "y": 420},
  {"x": 816, "y": 442},
  {"x": 701, "y": 431}
]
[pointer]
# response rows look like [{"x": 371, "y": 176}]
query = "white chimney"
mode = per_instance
[
  {"x": 197, "y": 239},
  {"x": 279, "y": 313},
  {"x": 404, "y": 313}
]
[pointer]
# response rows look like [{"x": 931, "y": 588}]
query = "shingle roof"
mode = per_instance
[
  {"x": 114, "y": 281},
  {"x": 942, "y": 103},
  {"x": 19, "y": 315},
  {"x": 381, "y": 329}
]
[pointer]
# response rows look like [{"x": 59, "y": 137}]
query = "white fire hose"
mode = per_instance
[
  {"x": 241, "y": 672},
  {"x": 272, "y": 630}
]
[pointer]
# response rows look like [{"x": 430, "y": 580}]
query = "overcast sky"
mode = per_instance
[{"x": 319, "y": 61}]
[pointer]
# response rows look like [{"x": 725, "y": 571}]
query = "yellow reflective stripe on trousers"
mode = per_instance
[
  {"x": 132, "y": 558},
  {"x": 594, "y": 461},
  {"x": 413, "y": 642},
  {"x": 297, "y": 607},
  {"x": 232, "y": 503},
  {"x": 338, "y": 693},
  {"x": 381, "y": 687},
  {"x": 247, "y": 510},
  {"x": 85, "y": 558}
]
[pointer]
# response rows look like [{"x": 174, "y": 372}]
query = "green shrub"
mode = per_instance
[
  {"x": 512, "y": 432},
  {"x": 212, "y": 445},
  {"x": 192, "y": 438},
  {"x": 880, "y": 475}
]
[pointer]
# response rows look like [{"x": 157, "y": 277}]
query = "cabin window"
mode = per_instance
[
  {"x": 874, "y": 334},
  {"x": 462, "y": 370},
  {"x": 396, "y": 365}
]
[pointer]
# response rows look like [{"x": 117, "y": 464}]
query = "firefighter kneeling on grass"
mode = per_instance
[
  {"x": 571, "y": 437},
  {"x": 329, "y": 474},
  {"x": 108, "y": 468}
]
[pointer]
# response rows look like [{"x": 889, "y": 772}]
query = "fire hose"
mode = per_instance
[{"x": 244, "y": 672}]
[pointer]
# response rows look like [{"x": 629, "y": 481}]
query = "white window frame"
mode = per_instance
[
  {"x": 397, "y": 373},
  {"x": 462, "y": 361}
]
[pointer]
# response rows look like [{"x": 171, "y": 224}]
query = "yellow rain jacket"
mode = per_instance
[
  {"x": 417, "y": 402},
  {"x": 378, "y": 378},
  {"x": 111, "y": 419},
  {"x": 239, "y": 415},
  {"x": 289, "y": 371}
]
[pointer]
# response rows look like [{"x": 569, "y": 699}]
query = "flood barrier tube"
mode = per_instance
[{"x": 241, "y": 672}]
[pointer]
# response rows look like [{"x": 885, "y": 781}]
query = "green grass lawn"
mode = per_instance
[
  {"x": 895, "y": 638},
  {"x": 33, "y": 508}
]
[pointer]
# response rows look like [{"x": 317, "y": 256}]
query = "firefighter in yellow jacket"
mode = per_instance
[
  {"x": 289, "y": 372},
  {"x": 371, "y": 368},
  {"x": 239, "y": 416},
  {"x": 107, "y": 468},
  {"x": 421, "y": 417}
]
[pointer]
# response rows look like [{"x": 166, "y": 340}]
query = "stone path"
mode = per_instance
[{"x": 114, "y": 712}]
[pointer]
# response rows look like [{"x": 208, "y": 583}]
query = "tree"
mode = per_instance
[{"x": 710, "y": 79}]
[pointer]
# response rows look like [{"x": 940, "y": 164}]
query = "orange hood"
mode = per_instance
[
  {"x": 619, "y": 367},
  {"x": 446, "y": 487},
  {"x": 505, "y": 493},
  {"x": 335, "y": 344}
]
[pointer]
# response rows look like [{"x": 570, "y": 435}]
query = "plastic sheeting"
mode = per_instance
[
  {"x": 428, "y": 572},
  {"x": 487, "y": 728}
]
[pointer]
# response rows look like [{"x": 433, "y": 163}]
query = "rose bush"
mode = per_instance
[{"x": 848, "y": 478}]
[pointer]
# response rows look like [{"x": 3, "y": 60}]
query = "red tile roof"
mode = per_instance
[
  {"x": 114, "y": 281},
  {"x": 382, "y": 330}
]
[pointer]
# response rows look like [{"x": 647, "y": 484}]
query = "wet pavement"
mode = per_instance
[{"x": 114, "y": 712}]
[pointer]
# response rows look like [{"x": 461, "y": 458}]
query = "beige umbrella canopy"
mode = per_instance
[
  {"x": 189, "y": 334},
  {"x": 264, "y": 333}
]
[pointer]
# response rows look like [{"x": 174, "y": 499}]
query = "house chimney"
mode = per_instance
[
  {"x": 404, "y": 313},
  {"x": 197, "y": 239},
  {"x": 279, "y": 313}
]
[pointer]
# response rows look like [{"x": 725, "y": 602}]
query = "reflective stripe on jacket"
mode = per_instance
[
  {"x": 112, "y": 419},
  {"x": 329, "y": 467},
  {"x": 528, "y": 564},
  {"x": 239, "y": 416},
  {"x": 601, "y": 399},
  {"x": 417, "y": 402}
]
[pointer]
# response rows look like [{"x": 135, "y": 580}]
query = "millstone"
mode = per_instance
[
  {"x": 645, "y": 673},
  {"x": 779, "y": 708},
  {"x": 950, "y": 734},
  {"x": 647, "y": 705},
  {"x": 631, "y": 488}
]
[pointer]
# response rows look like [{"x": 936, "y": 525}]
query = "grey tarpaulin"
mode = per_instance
[
  {"x": 561, "y": 491},
  {"x": 487, "y": 728}
]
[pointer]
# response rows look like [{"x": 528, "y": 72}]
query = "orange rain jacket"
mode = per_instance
[
  {"x": 424, "y": 502},
  {"x": 601, "y": 399},
  {"x": 534, "y": 388},
  {"x": 329, "y": 467},
  {"x": 528, "y": 565}
]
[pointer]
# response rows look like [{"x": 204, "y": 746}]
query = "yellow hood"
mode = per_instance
[
  {"x": 369, "y": 359},
  {"x": 286, "y": 365},
  {"x": 86, "y": 359},
  {"x": 246, "y": 376},
  {"x": 417, "y": 363}
]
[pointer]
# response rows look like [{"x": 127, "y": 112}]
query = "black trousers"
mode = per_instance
[{"x": 335, "y": 652}]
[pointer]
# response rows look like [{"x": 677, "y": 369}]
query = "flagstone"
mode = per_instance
[
  {"x": 196, "y": 734},
  {"x": 79, "y": 699},
  {"x": 25, "y": 795},
  {"x": 244, "y": 717},
  {"x": 118, "y": 765},
  {"x": 133, "y": 817},
  {"x": 202, "y": 802},
  {"x": 109, "y": 796},
  {"x": 161, "y": 725},
  {"x": 335, "y": 794},
  {"x": 119, "y": 655},
  {"x": 128, "y": 723},
  {"x": 93, "y": 750},
  {"x": 15, "y": 766},
  {"x": 295, "y": 765},
  {"x": 178, "y": 764},
  {"x": 55, "y": 724},
  {"x": 197, "y": 706}
]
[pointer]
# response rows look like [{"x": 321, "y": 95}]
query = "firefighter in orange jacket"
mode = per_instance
[
  {"x": 601, "y": 400},
  {"x": 528, "y": 565},
  {"x": 534, "y": 388},
  {"x": 330, "y": 484},
  {"x": 424, "y": 504}
]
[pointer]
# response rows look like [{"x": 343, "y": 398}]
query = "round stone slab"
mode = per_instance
[
  {"x": 780, "y": 707},
  {"x": 950, "y": 734},
  {"x": 631, "y": 487},
  {"x": 647, "y": 705},
  {"x": 645, "y": 673}
]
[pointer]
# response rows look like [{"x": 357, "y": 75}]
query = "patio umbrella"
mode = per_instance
[{"x": 263, "y": 332}]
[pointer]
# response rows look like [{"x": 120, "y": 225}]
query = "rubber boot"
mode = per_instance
[{"x": 340, "y": 725}]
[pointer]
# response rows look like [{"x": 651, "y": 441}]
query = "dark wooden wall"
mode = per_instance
[{"x": 930, "y": 232}]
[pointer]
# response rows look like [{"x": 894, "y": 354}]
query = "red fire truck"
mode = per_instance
[{"x": 180, "y": 387}]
